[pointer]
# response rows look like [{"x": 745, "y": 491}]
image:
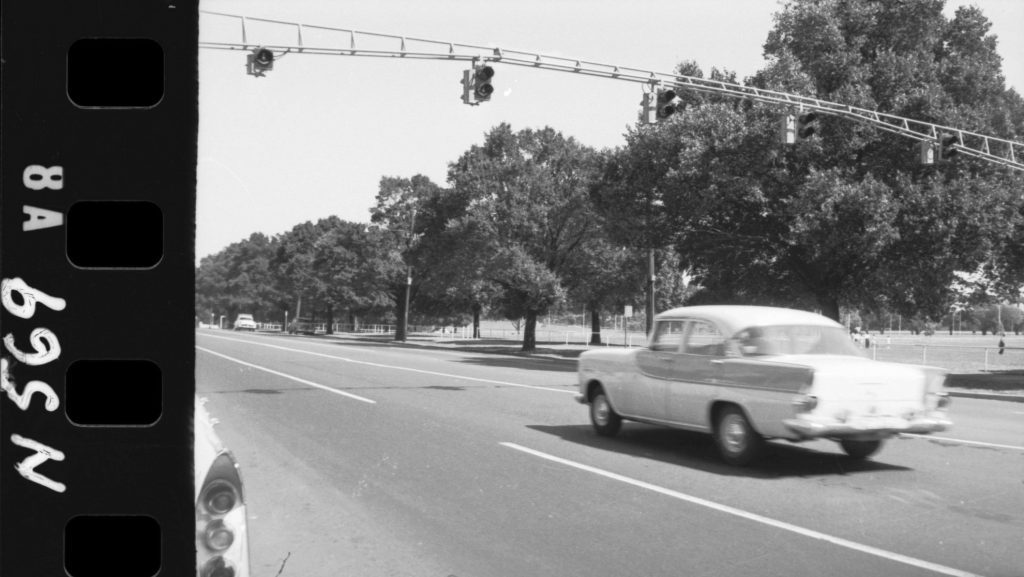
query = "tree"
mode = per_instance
[
  {"x": 399, "y": 200},
  {"x": 528, "y": 215},
  {"x": 346, "y": 262},
  {"x": 239, "y": 279},
  {"x": 848, "y": 217}
]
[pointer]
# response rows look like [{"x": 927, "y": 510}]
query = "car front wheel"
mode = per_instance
[
  {"x": 738, "y": 443},
  {"x": 605, "y": 420},
  {"x": 860, "y": 449}
]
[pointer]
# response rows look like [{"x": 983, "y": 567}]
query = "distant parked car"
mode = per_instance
[
  {"x": 245, "y": 323},
  {"x": 222, "y": 539},
  {"x": 746, "y": 374},
  {"x": 302, "y": 326}
]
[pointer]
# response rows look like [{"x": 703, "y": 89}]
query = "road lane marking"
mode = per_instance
[
  {"x": 961, "y": 441},
  {"x": 397, "y": 368},
  {"x": 889, "y": 555},
  {"x": 297, "y": 379}
]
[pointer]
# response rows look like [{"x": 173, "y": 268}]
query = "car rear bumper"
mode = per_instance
[{"x": 869, "y": 427}]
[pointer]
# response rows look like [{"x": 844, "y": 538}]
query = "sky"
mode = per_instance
[{"x": 315, "y": 135}]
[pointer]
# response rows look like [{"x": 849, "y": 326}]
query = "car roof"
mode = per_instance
[{"x": 734, "y": 318}]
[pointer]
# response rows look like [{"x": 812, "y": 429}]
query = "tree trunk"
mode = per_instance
[
  {"x": 530, "y": 332},
  {"x": 330, "y": 320},
  {"x": 595, "y": 326},
  {"x": 477, "y": 307}
]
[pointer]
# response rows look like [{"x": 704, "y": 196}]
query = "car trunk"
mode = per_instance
[{"x": 858, "y": 388}]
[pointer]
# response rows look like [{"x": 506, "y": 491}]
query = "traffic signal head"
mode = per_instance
[
  {"x": 667, "y": 103},
  {"x": 649, "y": 108},
  {"x": 476, "y": 84},
  {"x": 482, "y": 76},
  {"x": 260, "y": 61},
  {"x": 806, "y": 124},
  {"x": 927, "y": 149},
  {"x": 948, "y": 146}
]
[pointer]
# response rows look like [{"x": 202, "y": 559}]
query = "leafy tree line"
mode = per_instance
[{"x": 845, "y": 220}]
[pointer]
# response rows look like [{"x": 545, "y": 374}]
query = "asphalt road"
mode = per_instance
[{"x": 365, "y": 459}]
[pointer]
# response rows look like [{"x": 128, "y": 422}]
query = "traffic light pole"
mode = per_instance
[
  {"x": 1001, "y": 151},
  {"x": 651, "y": 279}
]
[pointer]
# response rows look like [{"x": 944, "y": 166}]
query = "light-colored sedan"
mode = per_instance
[
  {"x": 245, "y": 323},
  {"x": 747, "y": 374}
]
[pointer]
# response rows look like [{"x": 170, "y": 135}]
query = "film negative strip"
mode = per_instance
[{"x": 99, "y": 169}]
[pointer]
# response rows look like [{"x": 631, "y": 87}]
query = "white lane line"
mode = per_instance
[
  {"x": 751, "y": 516},
  {"x": 297, "y": 379},
  {"x": 961, "y": 441},
  {"x": 397, "y": 368}
]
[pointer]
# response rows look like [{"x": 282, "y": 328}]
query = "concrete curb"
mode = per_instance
[{"x": 1008, "y": 397}]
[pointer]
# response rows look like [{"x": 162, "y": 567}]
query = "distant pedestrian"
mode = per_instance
[{"x": 1002, "y": 345}]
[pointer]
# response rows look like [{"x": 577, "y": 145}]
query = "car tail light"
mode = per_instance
[
  {"x": 221, "y": 547},
  {"x": 217, "y": 567},
  {"x": 804, "y": 403}
]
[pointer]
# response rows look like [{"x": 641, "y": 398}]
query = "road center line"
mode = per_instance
[
  {"x": 889, "y": 555},
  {"x": 961, "y": 441},
  {"x": 397, "y": 368},
  {"x": 297, "y": 379}
]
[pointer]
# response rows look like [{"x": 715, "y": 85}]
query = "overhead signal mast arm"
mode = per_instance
[{"x": 1001, "y": 151}]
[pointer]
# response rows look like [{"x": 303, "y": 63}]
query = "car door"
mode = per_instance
[
  {"x": 655, "y": 364},
  {"x": 695, "y": 373}
]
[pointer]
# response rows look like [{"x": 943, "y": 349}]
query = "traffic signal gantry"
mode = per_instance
[
  {"x": 940, "y": 142},
  {"x": 476, "y": 84}
]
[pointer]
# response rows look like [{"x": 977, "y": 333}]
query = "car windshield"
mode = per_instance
[{"x": 795, "y": 340}]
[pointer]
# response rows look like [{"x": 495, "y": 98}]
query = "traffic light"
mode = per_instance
[
  {"x": 806, "y": 125},
  {"x": 927, "y": 148},
  {"x": 260, "y": 61},
  {"x": 667, "y": 103},
  {"x": 649, "y": 108},
  {"x": 476, "y": 84},
  {"x": 658, "y": 105},
  {"x": 798, "y": 127},
  {"x": 948, "y": 146},
  {"x": 788, "y": 131}
]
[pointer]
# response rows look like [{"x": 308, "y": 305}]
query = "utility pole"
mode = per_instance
[
  {"x": 403, "y": 322},
  {"x": 650, "y": 289}
]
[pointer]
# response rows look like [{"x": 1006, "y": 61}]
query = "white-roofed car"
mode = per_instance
[
  {"x": 747, "y": 374},
  {"x": 245, "y": 322},
  {"x": 222, "y": 539}
]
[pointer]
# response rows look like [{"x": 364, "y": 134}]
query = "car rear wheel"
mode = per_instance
[
  {"x": 860, "y": 449},
  {"x": 604, "y": 418},
  {"x": 738, "y": 443}
]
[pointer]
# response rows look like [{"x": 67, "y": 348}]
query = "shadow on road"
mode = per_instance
[
  {"x": 697, "y": 451},
  {"x": 523, "y": 363}
]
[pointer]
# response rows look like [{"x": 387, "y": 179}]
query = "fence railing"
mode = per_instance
[{"x": 951, "y": 357}]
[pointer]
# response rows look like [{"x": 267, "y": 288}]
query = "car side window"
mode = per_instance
[
  {"x": 667, "y": 336},
  {"x": 703, "y": 338}
]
